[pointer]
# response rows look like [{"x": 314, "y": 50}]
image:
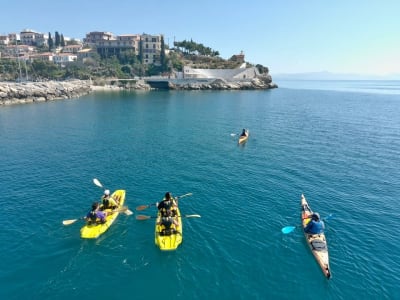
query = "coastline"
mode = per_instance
[{"x": 31, "y": 92}]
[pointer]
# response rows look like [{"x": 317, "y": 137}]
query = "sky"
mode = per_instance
[{"x": 287, "y": 36}]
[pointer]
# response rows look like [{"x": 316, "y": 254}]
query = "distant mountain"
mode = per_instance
[{"x": 332, "y": 76}]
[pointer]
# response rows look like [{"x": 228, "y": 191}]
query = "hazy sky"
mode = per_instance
[{"x": 288, "y": 36}]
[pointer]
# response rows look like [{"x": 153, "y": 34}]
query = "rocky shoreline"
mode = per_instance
[{"x": 30, "y": 92}]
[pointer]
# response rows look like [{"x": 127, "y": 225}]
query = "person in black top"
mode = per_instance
[{"x": 167, "y": 204}]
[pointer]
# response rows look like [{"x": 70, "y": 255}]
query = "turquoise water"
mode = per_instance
[{"x": 338, "y": 146}]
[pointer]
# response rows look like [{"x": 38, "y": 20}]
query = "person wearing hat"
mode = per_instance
[
  {"x": 315, "y": 226},
  {"x": 95, "y": 215},
  {"x": 108, "y": 201}
]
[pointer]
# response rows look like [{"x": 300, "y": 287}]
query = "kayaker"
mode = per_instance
[
  {"x": 108, "y": 201},
  {"x": 167, "y": 204},
  {"x": 96, "y": 215},
  {"x": 316, "y": 225},
  {"x": 244, "y": 132},
  {"x": 167, "y": 221}
]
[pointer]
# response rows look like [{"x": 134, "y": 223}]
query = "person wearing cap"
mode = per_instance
[
  {"x": 107, "y": 201},
  {"x": 96, "y": 215},
  {"x": 315, "y": 226}
]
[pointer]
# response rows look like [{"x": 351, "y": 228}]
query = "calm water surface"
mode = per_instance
[{"x": 338, "y": 143}]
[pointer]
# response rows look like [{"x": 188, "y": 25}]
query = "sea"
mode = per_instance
[{"x": 336, "y": 142}]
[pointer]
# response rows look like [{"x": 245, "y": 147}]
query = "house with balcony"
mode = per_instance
[
  {"x": 72, "y": 49},
  {"x": 47, "y": 56},
  {"x": 95, "y": 36},
  {"x": 64, "y": 58},
  {"x": 18, "y": 50},
  {"x": 115, "y": 46}
]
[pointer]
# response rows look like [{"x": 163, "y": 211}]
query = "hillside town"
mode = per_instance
[
  {"x": 128, "y": 61},
  {"x": 29, "y": 45}
]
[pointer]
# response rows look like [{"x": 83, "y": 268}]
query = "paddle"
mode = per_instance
[
  {"x": 98, "y": 183},
  {"x": 143, "y": 207},
  {"x": 289, "y": 229},
  {"x": 143, "y": 217},
  {"x": 69, "y": 222}
]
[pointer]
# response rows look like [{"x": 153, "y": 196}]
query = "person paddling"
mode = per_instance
[
  {"x": 167, "y": 204},
  {"x": 244, "y": 132},
  {"x": 316, "y": 225},
  {"x": 95, "y": 215},
  {"x": 108, "y": 201}
]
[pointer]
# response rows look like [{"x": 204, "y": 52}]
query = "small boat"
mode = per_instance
[
  {"x": 93, "y": 231},
  {"x": 316, "y": 242},
  {"x": 168, "y": 239},
  {"x": 244, "y": 138}
]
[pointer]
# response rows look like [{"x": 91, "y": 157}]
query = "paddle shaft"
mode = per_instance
[
  {"x": 289, "y": 229},
  {"x": 143, "y": 217},
  {"x": 143, "y": 207}
]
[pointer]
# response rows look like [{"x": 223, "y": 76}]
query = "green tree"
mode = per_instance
[
  {"x": 141, "y": 50},
  {"x": 163, "y": 59},
  {"x": 50, "y": 42},
  {"x": 62, "y": 41},
  {"x": 57, "y": 39}
]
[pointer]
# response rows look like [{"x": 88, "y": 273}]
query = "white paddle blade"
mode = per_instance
[
  {"x": 97, "y": 182},
  {"x": 128, "y": 212},
  {"x": 188, "y": 194},
  {"x": 69, "y": 222}
]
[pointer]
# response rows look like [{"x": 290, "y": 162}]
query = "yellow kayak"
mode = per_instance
[
  {"x": 243, "y": 138},
  {"x": 93, "y": 231},
  {"x": 170, "y": 239}
]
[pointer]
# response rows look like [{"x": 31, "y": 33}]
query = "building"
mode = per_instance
[
  {"x": 97, "y": 36},
  {"x": 107, "y": 44},
  {"x": 64, "y": 58},
  {"x": 72, "y": 49},
  {"x": 226, "y": 74},
  {"x": 4, "y": 40},
  {"x": 151, "y": 49},
  {"x": 48, "y": 56},
  {"x": 33, "y": 38},
  {"x": 121, "y": 43}
]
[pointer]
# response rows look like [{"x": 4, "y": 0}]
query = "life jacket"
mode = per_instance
[
  {"x": 106, "y": 203},
  {"x": 167, "y": 222},
  {"x": 167, "y": 226},
  {"x": 165, "y": 207},
  {"x": 93, "y": 215}
]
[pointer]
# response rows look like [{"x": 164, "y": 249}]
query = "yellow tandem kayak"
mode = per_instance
[
  {"x": 93, "y": 231},
  {"x": 165, "y": 239}
]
